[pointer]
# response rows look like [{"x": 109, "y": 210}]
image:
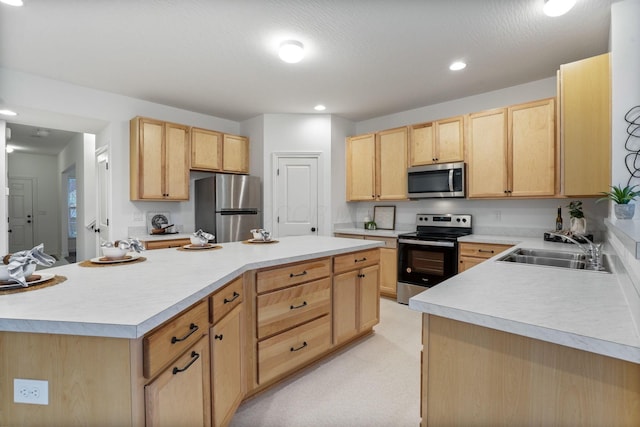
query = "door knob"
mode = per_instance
[
  {"x": 313, "y": 229},
  {"x": 28, "y": 216},
  {"x": 96, "y": 230}
]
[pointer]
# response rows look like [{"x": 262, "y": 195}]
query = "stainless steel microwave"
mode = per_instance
[{"x": 436, "y": 181}]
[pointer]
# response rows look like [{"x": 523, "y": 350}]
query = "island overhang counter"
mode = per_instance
[{"x": 182, "y": 337}]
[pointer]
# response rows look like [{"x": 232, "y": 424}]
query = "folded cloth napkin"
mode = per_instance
[
  {"x": 20, "y": 260},
  {"x": 204, "y": 235}
]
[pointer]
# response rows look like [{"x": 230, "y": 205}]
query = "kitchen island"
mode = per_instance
[
  {"x": 513, "y": 344},
  {"x": 111, "y": 340}
]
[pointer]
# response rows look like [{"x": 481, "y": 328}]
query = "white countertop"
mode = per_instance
[
  {"x": 580, "y": 309},
  {"x": 371, "y": 233},
  {"x": 130, "y": 299}
]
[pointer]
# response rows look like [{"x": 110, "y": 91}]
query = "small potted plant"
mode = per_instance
[
  {"x": 577, "y": 220},
  {"x": 622, "y": 197}
]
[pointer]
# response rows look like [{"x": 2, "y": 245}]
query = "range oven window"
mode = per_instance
[{"x": 427, "y": 262}]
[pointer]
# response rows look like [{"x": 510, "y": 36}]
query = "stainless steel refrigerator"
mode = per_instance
[{"x": 228, "y": 206}]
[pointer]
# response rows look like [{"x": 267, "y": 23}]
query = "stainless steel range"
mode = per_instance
[{"x": 429, "y": 255}]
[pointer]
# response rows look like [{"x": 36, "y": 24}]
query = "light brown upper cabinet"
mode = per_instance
[
  {"x": 159, "y": 160},
  {"x": 512, "y": 151},
  {"x": 206, "y": 150},
  {"x": 585, "y": 117},
  {"x": 441, "y": 141},
  {"x": 377, "y": 165},
  {"x": 235, "y": 154}
]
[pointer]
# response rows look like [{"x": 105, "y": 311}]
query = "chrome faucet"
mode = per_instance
[{"x": 593, "y": 252}]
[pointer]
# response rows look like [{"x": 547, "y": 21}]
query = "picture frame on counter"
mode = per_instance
[
  {"x": 384, "y": 217},
  {"x": 157, "y": 220}
]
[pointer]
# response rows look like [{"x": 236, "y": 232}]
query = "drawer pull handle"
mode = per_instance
[
  {"x": 304, "y": 273},
  {"x": 360, "y": 260},
  {"x": 194, "y": 356},
  {"x": 235, "y": 296},
  {"x": 218, "y": 337},
  {"x": 485, "y": 250},
  {"x": 192, "y": 328},
  {"x": 293, "y": 307},
  {"x": 304, "y": 344}
]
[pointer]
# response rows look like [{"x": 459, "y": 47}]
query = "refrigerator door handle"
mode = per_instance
[{"x": 239, "y": 212}]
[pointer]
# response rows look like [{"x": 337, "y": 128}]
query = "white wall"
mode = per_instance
[
  {"x": 79, "y": 153},
  {"x": 500, "y": 98},
  {"x": 342, "y": 212},
  {"x": 46, "y": 210},
  {"x": 298, "y": 133}
]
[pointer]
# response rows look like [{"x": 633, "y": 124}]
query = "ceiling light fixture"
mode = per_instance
[
  {"x": 8, "y": 113},
  {"x": 291, "y": 51},
  {"x": 9, "y": 149},
  {"x": 457, "y": 66},
  {"x": 557, "y": 7},
  {"x": 319, "y": 107},
  {"x": 12, "y": 2}
]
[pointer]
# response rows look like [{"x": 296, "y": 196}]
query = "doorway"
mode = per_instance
[
  {"x": 296, "y": 192},
  {"x": 20, "y": 207}
]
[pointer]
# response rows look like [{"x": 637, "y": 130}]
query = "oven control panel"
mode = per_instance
[{"x": 444, "y": 220}]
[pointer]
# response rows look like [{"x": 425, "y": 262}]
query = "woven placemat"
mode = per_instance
[
  {"x": 88, "y": 263},
  {"x": 53, "y": 281},
  {"x": 182, "y": 248},
  {"x": 259, "y": 242}
]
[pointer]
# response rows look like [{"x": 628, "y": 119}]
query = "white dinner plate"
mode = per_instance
[
  {"x": 102, "y": 260},
  {"x": 261, "y": 241},
  {"x": 43, "y": 278}
]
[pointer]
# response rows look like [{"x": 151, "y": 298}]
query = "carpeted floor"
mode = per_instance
[{"x": 372, "y": 383}]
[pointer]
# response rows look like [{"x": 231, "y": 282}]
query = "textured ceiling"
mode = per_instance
[{"x": 364, "y": 58}]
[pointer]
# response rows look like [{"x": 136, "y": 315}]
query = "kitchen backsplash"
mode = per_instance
[{"x": 529, "y": 218}]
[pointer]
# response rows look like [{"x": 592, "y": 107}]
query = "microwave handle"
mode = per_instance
[{"x": 450, "y": 179}]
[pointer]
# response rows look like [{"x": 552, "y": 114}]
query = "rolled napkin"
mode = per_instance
[
  {"x": 19, "y": 261},
  {"x": 204, "y": 235},
  {"x": 131, "y": 244}
]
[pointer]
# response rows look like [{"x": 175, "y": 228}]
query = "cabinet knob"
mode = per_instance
[{"x": 218, "y": 337}]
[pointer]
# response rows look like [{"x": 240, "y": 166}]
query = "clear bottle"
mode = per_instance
[{"x": 559, "y": 219}]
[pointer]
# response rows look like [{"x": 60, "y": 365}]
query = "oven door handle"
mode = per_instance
[{"x": 427, "y": 243}]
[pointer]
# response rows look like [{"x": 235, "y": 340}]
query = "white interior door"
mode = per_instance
[
  {"x": 296, "y": 196},
  {"x": 103, "y": 197},
  {"x": 20, "y": 214}
]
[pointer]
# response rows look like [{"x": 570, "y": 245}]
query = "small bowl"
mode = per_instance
[
  {"x": 113, "y": 253},
  {"x": 4, "y": 271},
  {"x": 198, "y": 241}
]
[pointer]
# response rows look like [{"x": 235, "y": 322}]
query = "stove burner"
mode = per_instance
[{"x": 440, "y": 227}]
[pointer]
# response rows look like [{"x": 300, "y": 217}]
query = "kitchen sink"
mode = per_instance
[{"x": 548, "y": 258}]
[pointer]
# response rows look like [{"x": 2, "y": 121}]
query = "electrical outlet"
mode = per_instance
[{"x": 35, "y": 392}]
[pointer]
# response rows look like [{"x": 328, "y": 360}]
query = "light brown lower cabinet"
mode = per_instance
[
  {"x": 226, "y": 367},
  {"x": 471, "y": 254},
  {"x": 476, "y": 376},
  {"x": 164, "y": 244},
  {"x": 180, "y": 395},
  {"x": 388, "y": 262}
]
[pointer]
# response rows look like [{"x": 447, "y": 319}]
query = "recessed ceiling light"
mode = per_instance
[
  {"x": 8, "y": 113},
  {"x": 557, "y": 7},
  {"x": 291, "y": 51},
  {"x": 12, "y": 2},
  {"x": 319, "y": 107},
  {"x": 458, "y": 65}
]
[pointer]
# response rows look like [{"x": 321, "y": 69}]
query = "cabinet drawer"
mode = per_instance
[
  {"x": 286, "y": 308},
  {"x": 225, "y": 300},
  {"x": 482, "y": 250},
  {"x": 389, "y": 242},
  {"x": 163, "y": 244},
  {"x": 355, "y": 260},
  {"x": 287, "y": 351},
  {"x": 169, "y": 341},
  {"x": 278, "y": 278}
]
